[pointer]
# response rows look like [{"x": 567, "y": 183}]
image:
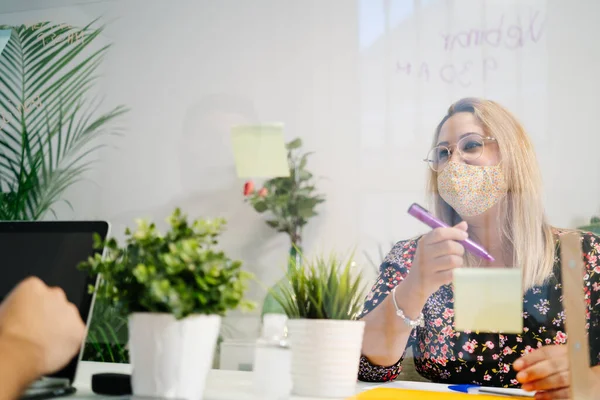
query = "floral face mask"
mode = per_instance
[{"x": 471, "y": 189}]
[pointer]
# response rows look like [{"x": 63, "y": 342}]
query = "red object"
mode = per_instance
[
  {"x": 248, "y": 188},
  {"x": 263, "y": 192}
]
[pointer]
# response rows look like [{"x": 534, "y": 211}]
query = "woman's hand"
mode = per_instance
[
  {"x": 545, "y": 370},
  {"x": 438, "y": 253}
]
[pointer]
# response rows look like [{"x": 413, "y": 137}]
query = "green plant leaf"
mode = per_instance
[
  {"x": 305, "y": 175},
  {"x": 107, "y": 335},
  {"x": 304, "y": 160},
  {"x": 273, "y": 224},
  {"x": 294, "y": 144},
  {"x": 306, "y": 207},
  {"x": 260, "y": 206}
]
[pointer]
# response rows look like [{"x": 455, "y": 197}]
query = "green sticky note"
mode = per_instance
[
  {"x": 488, "y": 300},
  {"x": 259, "y": 151},
  {"x": 4, "y": 38}
]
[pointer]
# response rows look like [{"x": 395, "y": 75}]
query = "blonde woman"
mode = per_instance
[{"x": 486, "y": 185}]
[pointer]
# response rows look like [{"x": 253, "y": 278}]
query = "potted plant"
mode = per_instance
[
  {"x": 50, "y": 121},
  {"x": 289, "y": 202},
  {"x": 322, "y": 300},
  {"x": 174, "y": 288}
]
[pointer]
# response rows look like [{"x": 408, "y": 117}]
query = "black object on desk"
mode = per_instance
[{"x": 111, "y": 384}]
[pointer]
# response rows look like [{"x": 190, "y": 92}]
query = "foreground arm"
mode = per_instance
[
  {"x": 18, "y": 363},
  {"x": 32, "y": 343},
  {"x": 386, "y": 336},
  {"x": 431, "y": 261}
]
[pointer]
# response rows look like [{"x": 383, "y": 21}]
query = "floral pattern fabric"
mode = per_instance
[{"x": 444, "y": 355}]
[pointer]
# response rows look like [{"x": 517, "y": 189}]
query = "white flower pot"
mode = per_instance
[
  {"x": 325, "y": 356},
  {"x": 171, "y": 358}
]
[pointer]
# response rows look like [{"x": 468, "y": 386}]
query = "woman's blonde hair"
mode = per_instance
[{"x": 522, "y": 220}]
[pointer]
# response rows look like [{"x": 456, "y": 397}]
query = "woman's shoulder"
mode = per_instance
[
  {"x": 588, "y": 238},
  {"x": 590, "y": 246}
]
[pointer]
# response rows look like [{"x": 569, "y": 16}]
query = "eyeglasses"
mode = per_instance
[{"x": 470, "y": 148}]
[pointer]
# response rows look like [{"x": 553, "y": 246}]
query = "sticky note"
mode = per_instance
[
  {"x": 488, "y": 300},
  {"x": 4, "y": 38},
  {"x": 259, "y": 151}
]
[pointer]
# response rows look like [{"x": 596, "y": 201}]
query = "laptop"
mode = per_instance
[{"x": 52, "y": 251}]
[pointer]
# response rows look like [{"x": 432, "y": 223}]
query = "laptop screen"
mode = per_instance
[{"x": 51, "y": 251}]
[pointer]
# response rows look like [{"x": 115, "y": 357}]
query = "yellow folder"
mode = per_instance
[{"x": 407, "y": 394}]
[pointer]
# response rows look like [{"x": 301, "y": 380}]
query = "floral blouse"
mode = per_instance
[{"x": 444, "y": 355}]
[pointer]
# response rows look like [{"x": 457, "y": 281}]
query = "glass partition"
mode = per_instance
[{"x": 481, "y": 112}]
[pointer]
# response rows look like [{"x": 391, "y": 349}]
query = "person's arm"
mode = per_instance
[
  {"x": 388, "y": 365},
  {"x": 32, "y": 343},
  {"x": 591, "y": 258},
  {"x": 19, "y": 363},
  {"x": 431, "y": 260},
  {"x": 386, "y": 335}
]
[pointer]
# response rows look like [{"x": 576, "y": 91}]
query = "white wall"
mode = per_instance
[{"x": 327, "y": 69}]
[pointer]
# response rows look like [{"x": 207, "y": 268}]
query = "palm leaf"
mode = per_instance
[{"x": 51, "y": 119}]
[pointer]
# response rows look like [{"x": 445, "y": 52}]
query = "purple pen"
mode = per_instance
[{"x": 424, "y": 216}]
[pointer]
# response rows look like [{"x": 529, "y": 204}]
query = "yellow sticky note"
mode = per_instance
[
  {"x": 488, "y": 300},
  {"x": 259, "y": 151}
]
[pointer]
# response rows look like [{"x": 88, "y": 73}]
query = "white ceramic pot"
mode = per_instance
[
  {"x": 171, "y": 358},
  {"x": 325, "y": 356}
]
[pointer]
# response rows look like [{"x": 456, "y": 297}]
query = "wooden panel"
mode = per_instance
[{"x": 572, "y": 270}]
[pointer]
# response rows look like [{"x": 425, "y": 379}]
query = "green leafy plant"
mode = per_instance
[
  {"x": 107, "y": 336},
  {"x": 322, "y": 289},
  {"x": 179, "y": 272},
  {"x": 289, "y": 201},
  {"x": 593, "y": 226},
  {"x": 49, "y": 122}
]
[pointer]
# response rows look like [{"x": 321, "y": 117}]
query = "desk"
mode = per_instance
[{"x": 220, "y": 384}]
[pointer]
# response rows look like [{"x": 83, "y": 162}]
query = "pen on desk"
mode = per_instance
[
  {"x": 462, "y": 388},
  {"x": 424, "y": 216},
  {"x": 474, "y": 389},
  {"x": 505, "y": 392}
]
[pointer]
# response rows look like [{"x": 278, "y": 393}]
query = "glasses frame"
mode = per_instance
[{"x": 450, "y": 151}]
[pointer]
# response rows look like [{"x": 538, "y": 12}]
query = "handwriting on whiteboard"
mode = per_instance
[
  {"x": 5, "y": 117},
  {"x": 461, "y": 74},
  {"x": 464, "y": 73},
  {"x": 72, "y": 35},
  {"x": 508, "y": 36}
]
